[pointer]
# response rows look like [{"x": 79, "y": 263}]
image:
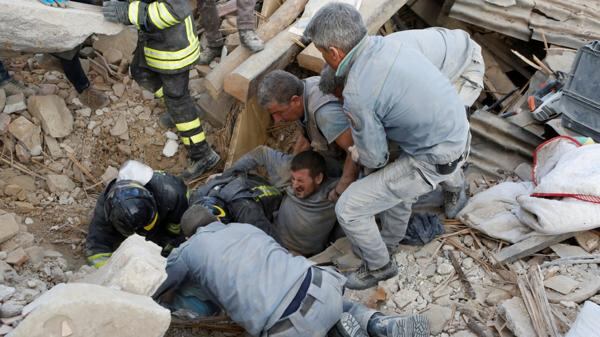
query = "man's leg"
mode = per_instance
[
  {"x": 184, "y": 112},
  {"x": 396, "y": 185},
  {"x": 246, "y": 23},
  {"x": 250, "y": 211},
  {"x": 211, "y": 23},
  {"x": 378, "y": 325}
]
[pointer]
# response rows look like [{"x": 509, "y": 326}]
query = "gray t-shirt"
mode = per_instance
[{"x": 331, "y": 121}]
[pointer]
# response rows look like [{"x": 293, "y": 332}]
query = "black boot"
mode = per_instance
[
  {"x": 347, "y": 326},
  {"x": 202, "y": 159}
]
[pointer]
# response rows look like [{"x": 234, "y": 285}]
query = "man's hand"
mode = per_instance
[
  {"x": 55, "y": 3},
  {"x": 333, "y": 195},
  {"x": 302, "y": 144},
  {"x": 116, "y": 11}
]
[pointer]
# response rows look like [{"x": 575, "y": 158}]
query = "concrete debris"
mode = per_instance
[
  {"x": 5, "y": 329},
  {"x": 109, "y": 174},
  {"x": 4, "y": 122},
  {"x": 22, "y": 153},
  {"x": 17, "y": 257},
  {"x": 170, "y": 148},
  {"x": 136, "y": 267},
  {"x": 123, "y": 314},
  {"x": 6, "y": 292},
  {"x": 85, "y": 112},
  {"x": 11, "y": 309},
  {"x": 564, "y": 250},
  {"x": 588, "y": 287},
  {"x": 48, "y": 89},
  {"x": 147, "y": 95},
  {"x": 21, "y": 240},
  {"x": 25, "y": 24},
  {"x": 125, "y": 42},
  {"x": 562, "y": 284},
  {"x": 27, "y": 183},
  {"x": 444, "y": 268},
  {"x": 496, "y": 296},
  {"x": 15, "y": 103},
  {"x": 53, "y": 147},
  {"x": 120, "y": 127},
  {"x": 113, "y": 55},
  {"x": 8, "y": 227},
  {"x": 118, "y": 89},
  {"x": 56, "y": 118},
  {"x": 516, "y": 316},
  {"x": 27, "y": 133},
  {"x": 171, "y": 135},
  {"x": 438, "y": 316},
  {"x": 404, "y": 297},
  {"x": 2, "y": 99},
  {"x": 59, "y": 183}
]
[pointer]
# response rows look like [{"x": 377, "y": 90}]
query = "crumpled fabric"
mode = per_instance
[{"x": 422, "y": 229}]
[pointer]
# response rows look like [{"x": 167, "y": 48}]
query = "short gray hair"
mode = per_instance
[
  {"x": 194, "y": 217},
  {"x": 336, "y": 25},
  {"x": 279, "y": 86},
  {"x": 329, "y": 82}
]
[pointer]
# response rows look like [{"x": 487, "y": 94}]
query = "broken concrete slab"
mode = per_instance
[
  {"x": 125, "y": 42},
  {"x": 438, "y": 316},
  {"x": 53, "y": 147},
  {"x": 113, "y": 55},
  {"x": 120, "y": 128},
  {"x": 26, "y": 23},
  {"x": 4, "y": 122},
  {"x": 59, "y": 183},
  {"x": 118, "y": 89},
  {"x": 516, "y": 316},
  {"x": 405, "y": 297},
  {"x": 51, "y": 110},
  {"x": 135, "y": 267},
  {"x": 564, "y": 250},
  {"x": 17, "y": 257},
  {"x": 21, "y": 240},
  {"x": 27, "y": 133},
  {"x": 15, "y": 103},
  {"x": 561, "y": 283},
  {"x": 588, "y": 287},
  {"x": 77, "y": 309},
  {"x": 9, "y": 227}
]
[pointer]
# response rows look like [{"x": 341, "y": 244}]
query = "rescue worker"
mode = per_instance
[
  {"x": 242, "y": 197},
  {"x": 246, "y": 23},
  {"x": 287, "y": 98},
  {"x": 306, "y": 217},
  {"x": 149, "y": 203},
  {"x": 167, "y": 48},
  {"x": 265, "y": 289},
  {"x": 403, "y": 98}
]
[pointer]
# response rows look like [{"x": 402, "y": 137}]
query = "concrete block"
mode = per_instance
[
  {"x": 59, "y": 183},
  {"x": 15, "y": 103},
  {"x": 517, "y": 318},
  {"x": 89, "y": 310},
  {"x": 136, "y": 267},
  {"x": 562, "y": 284},
  {"x": 26, "y": 23},
  {"x": 438, "y": 316},
  {"x": 51, "y": 110},
  {"x": 27, "y": 133},
  {"x": 9, "y": 227}
]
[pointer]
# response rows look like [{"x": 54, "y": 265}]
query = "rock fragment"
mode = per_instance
[
  {"x": 27, "y": 133},
  {"x": 8, "y": 227},
  {"x": 15, "y": 103},
  {"x": 59, "y": 183}
]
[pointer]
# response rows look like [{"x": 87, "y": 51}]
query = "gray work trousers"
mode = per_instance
[
  {"x": 390, "y": 192},
  {"x": 326, "y": 310},
  {"x": 212, "y": 22}
]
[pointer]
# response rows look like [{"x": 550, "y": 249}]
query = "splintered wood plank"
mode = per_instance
[{"x": 528, "y": 247}]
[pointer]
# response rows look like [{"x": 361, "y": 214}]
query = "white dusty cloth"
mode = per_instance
[{"x": 564, "y": 196}]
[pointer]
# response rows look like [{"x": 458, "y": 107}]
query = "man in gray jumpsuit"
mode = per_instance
[
  {"x": 391, "y": 92},
  {"x": 265, "y": 289}
]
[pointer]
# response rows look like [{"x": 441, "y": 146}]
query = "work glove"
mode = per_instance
[
  {"x": 354, "y": 153},
  {"x": 55, "y": 3},
  {"x": 116, "y": 11}
]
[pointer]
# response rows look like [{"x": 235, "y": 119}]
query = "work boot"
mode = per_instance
[
  {"x": 250, "y": 40},
  {"x": 209, "y": 54},
  {"x": 364, "y": 278},
  {"x": 93, "y": 99},
  {"x": 207, "y": 159},
  {"x": 347, "y": 326},
  {"x": 13, "y": 87},
  {"x": 165, "y": 121},
  {"x": 398, "y": 326},
  {"x": 454, "y": 202}
]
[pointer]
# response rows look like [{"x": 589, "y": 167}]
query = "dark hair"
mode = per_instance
[
  {"x": 279, "y": 86},
  {"x": 310, "y": 160}
]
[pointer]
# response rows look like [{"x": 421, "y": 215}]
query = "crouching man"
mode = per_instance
[{"x": 265, "y": 289}]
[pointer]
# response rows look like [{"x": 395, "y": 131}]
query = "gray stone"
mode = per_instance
[
  {"x": 92, "y": 311},
  {"x": 85, "y": 112},
  {"x": 26, "y": 182},
  {"x": 15, "y": 103},
  {"x": 135, "y": 267},
  {"x": 56, "y": 118},
  {"x": 27, "y": 133},
  {"x": 25, "y": 24},
  {"x": 22, "y": 153},
  {"x": 36, "y": 255},
  {"x": 48, "y": 89},
  {"x": 17, "y": 257},
  {"x": 53, "y": 147},
  {"x": 468, "y": 240},
  {"x": 125, "y": 41},
  {"x": 6, "y": 292},
  {"x": 22, "y": 239},
  {"x": 59, "y": 183},
  {"x": 445, "y": 268},
  {"x": 438, "y": 316},
  {"x": 109, "y": 174},
  {"x": 564, "y": 250},
  {"x": 5, "y": 329},
  {"x": 516, "y": 316},
  {"x": 4, "y": 122},
  {"x": 2, "y": 99},
  {"x": 9, "y": 227},
  {"x": 404, "y": 297},
  {"x": 496, "y": 296},
  {"x": 562, "y": 284},
  {"x": 120, "y": 128},
  {"x": 113, "y": 55},
  {"x": 464, "y": 333},
  {"x": 119, "y": 89},
  {"x": 170, "y": 148},
  {"x": 523, "y": 171},
  {"x": 147, "y": 95},
  {"x": 10, "y": 309},
  {"x": 588, "y": 287}
]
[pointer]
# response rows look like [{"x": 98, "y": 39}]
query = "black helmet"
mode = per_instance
[
  {"x": 216, "y": 206},
  {"x": 130, "y": 208}
]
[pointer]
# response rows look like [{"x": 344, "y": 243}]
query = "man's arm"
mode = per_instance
[
  {"x": 177, "y": 272},
  {"x": 156, "y": 15},
  {"x": 367, "y": 132},
  {"x": 276, "y": 163},
  {"x": 350, "y": 171},
  {"x": 101, "y": 238}
]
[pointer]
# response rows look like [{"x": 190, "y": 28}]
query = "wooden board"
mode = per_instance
[
  {"x": 588, "y": 240},
  {"x": 250, "y": 130},
  {"x": 528, "y": 247},
  {"x": 310, "y": 59},
  {"x": 375, "y": 13},
  {"x": 495, "y": 79}
]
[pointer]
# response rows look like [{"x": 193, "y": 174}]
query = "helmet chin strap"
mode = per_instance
[{"x": 152, "y": 224}]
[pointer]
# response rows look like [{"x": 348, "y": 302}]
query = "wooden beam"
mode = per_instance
[
  {"x": 216, "y": 110},
  {"x": 375, "y": 13},
  {"x": 280, "y": 51},
  {"x": 250, "y": 130},
  {"x": 495, "y": 79},
  {"x": 310, "y": 59},
  {"x": 227, "y": 8},
  {"x": 283, "y": 17},
  {"x": 529, "y": 246},
  {"x": 269, "y": 7}
]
